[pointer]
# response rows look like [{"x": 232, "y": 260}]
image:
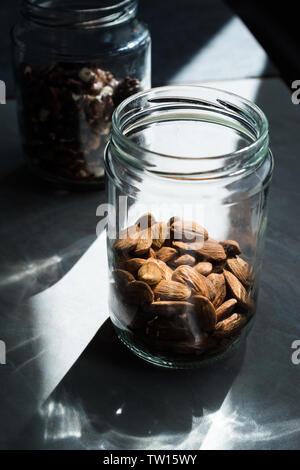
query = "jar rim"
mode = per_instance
[
  {"x": 225, "y": 101},
  {"x": 74, "y": 12}
]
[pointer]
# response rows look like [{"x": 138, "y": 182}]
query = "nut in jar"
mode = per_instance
[{"x": 177, "y": 291}]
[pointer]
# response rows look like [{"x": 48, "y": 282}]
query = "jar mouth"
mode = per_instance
[
  {"x": 185, "y": 106},
  {"x": 82, "y": 13}
]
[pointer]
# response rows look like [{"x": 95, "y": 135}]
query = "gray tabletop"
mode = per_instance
[{"x": 61, "y": 348}]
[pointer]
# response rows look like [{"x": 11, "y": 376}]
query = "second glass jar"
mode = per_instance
[
  {"x": 188, "y": 171},
  {"x": 74, "y": 63}
]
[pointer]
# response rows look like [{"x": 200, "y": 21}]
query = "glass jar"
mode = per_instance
[
  {"x": 74, "y": 62},
  {"x": 188, "y": 170}
]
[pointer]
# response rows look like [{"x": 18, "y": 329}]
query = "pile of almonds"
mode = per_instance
[{"x": 180, "y": 291}]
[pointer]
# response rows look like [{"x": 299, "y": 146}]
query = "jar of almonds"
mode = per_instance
[
  {"x": 74, "y": 63},
  {"x": 188, "y": 170}
]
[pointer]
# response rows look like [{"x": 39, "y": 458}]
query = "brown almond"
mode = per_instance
[
  {"x": 144, "y": 242},
  {"x": 125, "y": 245},
  {"x": 212, "y": 250},
  {"x": 230, "y": 326},
  {"x": 231, "y": 247},
  {"x": 211, "y": 289},
  {"x": 145, "y": 221},
  {"x": 139, "y": 293},
  {"x": 236, "y": 288},
  {"x": 205, "y": 313},
  {"x": 166, "y": 253},
  {"x": 130, "y": 232},
  {"x": 166, "y": 329},
  {"x": 122, "y": 278},
  {"x": 240, "y": 268},
  {"x": 205, "y": 268},
  {"x": 225, "y": 309},
  {"x": 188, "y": 260},
  {"x": 188, "y": 231},
  {"x": 172, "y": 220},
  {"x": 159, "y": 233},
  {"x": 219, "y": 283},
  {"x": 152, "y": 253},
  {"x": 165, "y": 270},
  {"x": 203, "y": 344},
  {"x": 170, "y": 308},
  {"x": 187, "y": 275},
  {"x": 150, "y": 273},
  {"x": 171, "y": 290},
  {"x": 132, "y": 265}
]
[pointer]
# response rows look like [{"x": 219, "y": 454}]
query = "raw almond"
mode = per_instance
[
  {"x": 205, "y": 313},
  {"x": 171, "y": 290},
  {"x": 231, "y": 247},
  {"x": 145, "y": 221},
  {"x": 134, "y": 264},
  {"x": 188, "y": 231},
  {"x": 139, "y": 293},
  {"x": 212, "y": 250},
  {"x": 150, "y": 273},
  {"x": 166, "y": 253},
  {"x": 236, "y": 288},
  {"x": 122, "y": 279},
  {"x": 144, "y": 242},
  {"x": 230, "y": 326},
  {"x": 218, "y": 280},
  {"x": 188, "y": 260},
  {"x": 165, "y": 270},
  {"x": 125, "y": 245},
  {"x": 204, "y": 268},
  {"x": 225, "y": 309},
  {"x": 187, "y": 275},
  {"x": 159, "y": 233},
  {"x": 240, "y": 269},
  {"x": 211, "y": 289}
]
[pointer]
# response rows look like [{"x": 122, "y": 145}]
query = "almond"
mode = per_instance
[
  {"x": 134, "y": 264},
  {"x": 165, "y": 270},
  {"x": 200, "y": 346},
  {"x": 125, "y": 245},
  {"x": 230, "y": 326},
  {"x": 122, "y": 279},
  {"x": 225, "y": 309},
  {"x": 188, "y": 260},
  {"x": 188, "y": 231},
  {"x": 139, "y": 293},
  {"x": 236, "y": 288},
  {"x": 211, "y": 289},
  {"x": 167, "y": 330},
  {"x": 170, "y": 308},
  {"x": 231, "y": 247},
  {"x": 187, "y": 275},
  {"x": 240, "y": 269},
  {"x": 166, "y": 253},
  {"x": 150, "y": 273},
  {"x": 212, "y": 250},
  {"x": 218, "y": 281},
  {"x": 159, "y": 233},
  {"x": 204, "y": 268},
  {"x": 144, "y": 242},
  {"x": 205, "y": 313},
  {"x": 171, "y": 290},
  {"x": 145, "y": 221}
]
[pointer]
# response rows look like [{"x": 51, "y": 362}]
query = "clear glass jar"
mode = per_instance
[
  {"x": 74, "y": 62},
  {"x": 188, "y": 170}
]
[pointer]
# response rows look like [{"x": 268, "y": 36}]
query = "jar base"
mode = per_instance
[{"x": 162, "y": 361}]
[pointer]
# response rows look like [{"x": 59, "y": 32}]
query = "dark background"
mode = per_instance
[{"x": 177, "y": 37}]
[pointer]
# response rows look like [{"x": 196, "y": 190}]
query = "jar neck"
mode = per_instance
[
  {"x": 79, "y": 13},
  {"x": 177, "y": 132}
]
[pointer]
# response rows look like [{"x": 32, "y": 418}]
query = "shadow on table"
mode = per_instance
[{"x": 110, "y": 399}]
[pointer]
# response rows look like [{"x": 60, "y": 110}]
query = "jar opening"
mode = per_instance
[
  {"x": 190, "y": 132},
  {"x": 79, "y": 13}
]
